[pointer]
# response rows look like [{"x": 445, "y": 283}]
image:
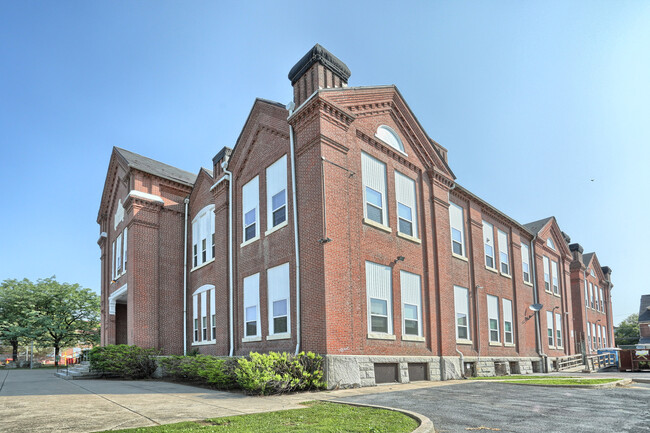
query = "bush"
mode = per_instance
[
  {"x": 132, "y": 362},
  {"x": 219, "y": 373},
  {"x": 277, "y": 373}
]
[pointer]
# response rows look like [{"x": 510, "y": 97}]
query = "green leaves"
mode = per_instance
[
  {"x": 132, "y": 362},
  {"x": 627, "y": 332}
]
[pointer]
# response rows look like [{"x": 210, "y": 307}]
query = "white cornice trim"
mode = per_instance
[{"x": 146, "y": 196}]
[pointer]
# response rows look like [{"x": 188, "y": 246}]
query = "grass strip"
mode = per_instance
[
  {"x": 321, "y": 417},
  {"x": 556, "y": 381},
  {"x": 517, "y": 376}
]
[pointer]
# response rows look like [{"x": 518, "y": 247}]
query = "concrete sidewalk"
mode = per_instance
[{"x": 37, "y": 401}]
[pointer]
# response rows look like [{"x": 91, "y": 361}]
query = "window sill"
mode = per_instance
[
  {"x": 276, "y": 228},
  {"x": 250, "y": 241},
  {"x": 204, "y": 343},
  {"x": 377, "y": 336},
  {"x": 463, "y": 258},
  {"x": 409, "y": 238},
  {"x": 495, "y": 343},
  {"x": 249, "y": 339},
  {"x": 463, "y": 341},
  {"x": 506, "y": 275},
  {"x": 557, "y": 296},
  {"x": 202, "y": 264},
  {"x": 284, "y": 336},
  {"x": 376, "y": 225},
  {"x": 413, "y": 338},
  {"x": 509, "y": 344},
  {"x": 491, "y": 269},
  {"x": 528, "y": 284}
]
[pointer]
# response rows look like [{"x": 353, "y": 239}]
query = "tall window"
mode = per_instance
[
  {"x": 556, "y": 284},
  {"x": 379, "y": 290},
  {"x": 250, "y": 209},
  {"x": 599, "y": 340},
  {"x": 457, "y": 229},
  {"x": 125, "y": 243},
  {"x": 558, "y": 330},
  {"x": 525, "y": 262},
  {"x": 406, "y": 205},
  {"x": 118, "y": 258},
  {"x": 507, "y": 321},
  {"x": 411, "y": 303},
  {"x": 602, "y": 301},
  {"x": 586, "y": 294},
  {"x": 204, "y": 316},
  {"x": 503, "y": 252},
  {"x": 213, "y": 314},
  {"x": 461, "y": 303},
  {"x": 547, "y": 274},
  {"x": 374, "y": 189},
  {"x": 113, "y": 263},
  {"x": 195, "y": 316},
  {"x": 276, "y": 193},
  {"x": 493, "y": 317},
  {"x": 278, "y": 290},
  {"x": 589, "y": 335},
  {"x": 251, "y": 306},
  {"x": 593, "y": 336},
  {"x": 488, "y": 238},
  {"x": 203, "y": 236},
  {"x": 591, "y": 295},
  {"x": 549, "y": 328},
  {"x": 604, "y": 337}
]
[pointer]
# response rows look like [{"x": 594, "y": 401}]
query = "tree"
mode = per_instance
[
  {"x": 66, "y": 314},
  {"x": 16, "y": 313},
  {"x": 627, "y": 332}
]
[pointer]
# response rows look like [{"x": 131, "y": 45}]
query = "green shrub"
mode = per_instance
[
  {"x": 131, "y": 362},
  {"x": 277, "y": 373},
  {"x": 217, "y": 372}
]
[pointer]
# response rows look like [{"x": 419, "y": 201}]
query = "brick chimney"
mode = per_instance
[
  {"x": 318, "y": 69},
  {"x": 576, "y": 251}
]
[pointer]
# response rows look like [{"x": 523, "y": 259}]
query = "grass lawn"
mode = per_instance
[
  {"x": 515, "y": 376},
  {"x": 568, "y": 381},
  {"x": 317, "y": 417}
]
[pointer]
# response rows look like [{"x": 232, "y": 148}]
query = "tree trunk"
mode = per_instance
[
  {"x": 14, "y": 346},
  {"x": 56, "y": 355}
]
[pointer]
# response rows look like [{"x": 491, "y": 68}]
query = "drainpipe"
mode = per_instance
[
  {"x": 187, "y": 203},
  {"x": 540, "y": 351},
  {"x": 231, "y": 319},
  {"x": 295, "y": 228}
]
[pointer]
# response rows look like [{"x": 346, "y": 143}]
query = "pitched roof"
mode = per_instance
[
  {"x": 644, "y": 309},
  {"x": 536, "y": 226},
  {"x": 586, "y": 258},
  {"x": 156, "y": 168}
]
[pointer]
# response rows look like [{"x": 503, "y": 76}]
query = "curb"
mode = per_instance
[
  {"x": 621, "y": 382},
  {"x": 641, "y": 380},
  {"x": 426, "y": 426}
]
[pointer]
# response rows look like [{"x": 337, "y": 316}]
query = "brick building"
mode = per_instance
[{"x": 336, "y": 225}]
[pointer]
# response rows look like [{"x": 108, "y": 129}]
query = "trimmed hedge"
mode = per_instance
[
  {"x": 216, "y": 372},
  {"x": 121, "y": 360}
]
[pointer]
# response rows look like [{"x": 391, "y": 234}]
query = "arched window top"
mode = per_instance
[
  {"x": 203, "y": 288},
  {"x": 550, "y": 243},
  {"x": 386, "y": 134},
  {"x": 203, "y": 212}
]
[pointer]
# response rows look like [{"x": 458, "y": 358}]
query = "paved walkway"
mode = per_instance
[{"x": 37, "y": 401}]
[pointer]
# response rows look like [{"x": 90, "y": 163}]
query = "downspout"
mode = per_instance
[
  {"x": 295, "y": 229},
  {"x": 462, "y": 357},
  {"x": 538, "y": 325},
  {"x": 231, "y": 319},
  {"x": 187, "y": 203}
]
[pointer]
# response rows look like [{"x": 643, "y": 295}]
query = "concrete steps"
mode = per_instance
[{"x": 77, "y": 371}]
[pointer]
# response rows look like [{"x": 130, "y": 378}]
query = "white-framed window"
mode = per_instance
[
  {"x": 550, "y": 244},
  {"x": 604, "y": 336},
  {"x": 278, "y": 294},
  {"x": 386, "y": 134},
  {"x": 379, "y": 291},
  {"x": 118, "y": 258},
  {"x": 456, "y": 220},
  {"x": 195, "y": 316},
  {"x": 547, "y": 274},
  {"x": 203, "y": 236},
  {"x": 213, "y": 315},
  {"x": 599, "y": 339},
  {"x": 113, "y": 263},
  {"x": 602, "y": 301},
  {"x": 407, "y": 220},
  {"x": 276, "y": 193},
  {"x": 586, "y": 294},
  {"x": 549, "y": 328},
  {"x": 558, "y": 330},
  {"x": 503, "y": 252},
  {"x": 374, "y": 189},
  {"x": 591, "y": 295},
  {"x": 493, "y": 318},
  {"x": 488, "y": 240},
  {"x": 525, "y": 262},
  {"x": 125, "y": 243},
  {"x": 507, "y": 321},
  {"x": 251, "y": 306},
  {"x": 204, "y": 316},
  {"x": 461, "y": 304},
  {"x": 593, "y": 336},
  {"x": 411, "y": 303},
  {"x": 555, "y": 277},
  {"x": 250, "y": 209},
  {"x": 589, "y": 335}
]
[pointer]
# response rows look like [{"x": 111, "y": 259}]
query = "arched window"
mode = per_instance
[{"x": 387, "y": 135}]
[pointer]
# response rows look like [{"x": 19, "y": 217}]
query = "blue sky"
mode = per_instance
[{"x": 532, "y": 99}]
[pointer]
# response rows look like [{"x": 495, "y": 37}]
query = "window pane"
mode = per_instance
[
  {"x": 489, "y": 261},
  {"x": 280, "y": 308},
  {"x": 280, "y": 325},
  {"x": 493, "y": 324},
  {"x": 250, "y": 232},
  {"x": 405, "y": 227},
  {"x": 411, "y": 327},
  {"x": 378, "y": 306},
  {"x": 461, "y": 319},
  {"x": 251, "y": 328},
  {"x": 373, "y": 197},
  {"x": 508, "y": 338},
  {"x": 278, "y": 199},
  {"x": 411, "y": 312},
  {"x": 457, "y": 248},
  {"x": 374, "y": 214},
  {"x": 508, "y": 326},
  {"x": 249, "y": 218},
  {"x": 279, "y": 215},
  {"x": 462, "y": 332},
  {"x": 456, "y": 235},
  {"x": 494, "y": 336},
  {"x": 404, "y": 212},
  {"x": 251, "y": 314},
  {"x": 379, "y": 324}
]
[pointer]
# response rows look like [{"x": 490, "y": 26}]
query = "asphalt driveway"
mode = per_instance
[{"x": 482, "y": 406}]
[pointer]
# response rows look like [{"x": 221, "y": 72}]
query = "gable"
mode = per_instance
[
  {"x": 594, "y": 264},
  {"x": 551, "y": 230}
]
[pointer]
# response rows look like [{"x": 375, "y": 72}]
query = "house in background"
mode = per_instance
[{"x": 336, "y": 225}]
